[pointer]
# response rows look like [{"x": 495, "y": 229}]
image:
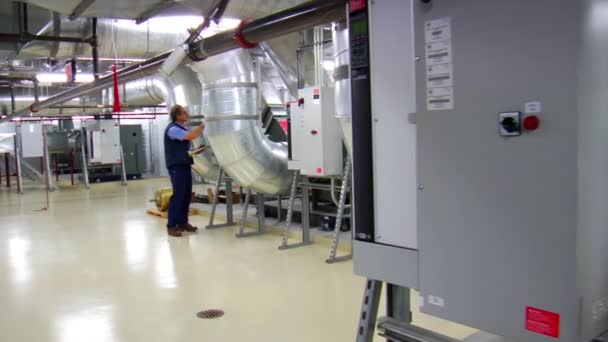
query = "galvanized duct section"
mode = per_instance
[
  {"x": 185, "y": 89},
  {"x": 231, "y": 104},
  {"x": 342, "y": 82},
  {"x": 148, "y": 91},
  {"x": 122, "y": 39}
]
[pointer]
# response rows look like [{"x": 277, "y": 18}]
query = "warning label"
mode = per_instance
[{"x": 542, "y": 322}]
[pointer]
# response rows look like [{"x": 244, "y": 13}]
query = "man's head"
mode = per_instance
[{"x": 179, "y": 114}]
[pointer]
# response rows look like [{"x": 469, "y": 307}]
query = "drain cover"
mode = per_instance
[{"x": 210, "y": 314}]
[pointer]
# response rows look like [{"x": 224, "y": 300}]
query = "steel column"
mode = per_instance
[
  {"x": 83, "y": 156},
  {"x": 8, "y": 170},
  {"x": 18, "y": 158}
]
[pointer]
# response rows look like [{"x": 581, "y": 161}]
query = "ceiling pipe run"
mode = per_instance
[{"x": 297, "y": 18}]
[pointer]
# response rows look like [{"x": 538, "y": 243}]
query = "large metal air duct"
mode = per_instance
[
  {"x": 116, "y": 38},
  {"x": 342, "y": 82},
  {"x": 231, "y": 105},
  {"x": 185, "y": 89}
]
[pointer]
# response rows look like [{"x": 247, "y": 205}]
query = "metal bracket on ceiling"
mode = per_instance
[
  {"x": 80, "y": 8},
  {"x": 154, "y": 10}
]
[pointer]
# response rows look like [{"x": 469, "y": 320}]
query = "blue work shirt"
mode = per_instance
[{"x": 177, "y": 133}]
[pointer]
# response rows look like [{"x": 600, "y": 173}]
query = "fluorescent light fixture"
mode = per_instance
[{"x": 58, "y": 77}]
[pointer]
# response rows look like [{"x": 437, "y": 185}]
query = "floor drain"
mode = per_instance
[{"x": 210, "y": 314}]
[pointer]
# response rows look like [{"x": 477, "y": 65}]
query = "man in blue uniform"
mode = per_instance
[{"x": 177, "y": 144}]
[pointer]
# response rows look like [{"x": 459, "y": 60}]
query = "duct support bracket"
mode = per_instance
[
  {"x": 221, "y": 178},
  {"x": 306, "y": 240},
  {"x": 261, "y": 218}
]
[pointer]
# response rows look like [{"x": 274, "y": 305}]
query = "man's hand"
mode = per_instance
[{"x": 195, "y": 133}]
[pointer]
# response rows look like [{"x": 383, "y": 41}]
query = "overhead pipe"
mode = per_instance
[
  {"x": 297, "y": 18},
  {"x": 301, "y": 17}
]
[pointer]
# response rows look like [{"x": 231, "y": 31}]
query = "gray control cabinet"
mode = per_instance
[
  {"x": 512, "y": 231},
  {"x": 511, "y": 171}
]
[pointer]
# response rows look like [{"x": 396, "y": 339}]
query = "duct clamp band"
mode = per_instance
[{"x": 238, "y": 36}]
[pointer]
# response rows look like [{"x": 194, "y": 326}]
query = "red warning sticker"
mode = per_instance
[
  {"x": 316, "y": 91},
  {"x": 542, "y": 322}
]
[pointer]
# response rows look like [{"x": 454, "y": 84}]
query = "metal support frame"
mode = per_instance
[
  {"x": 80, "y": 8},
  {"x": 340, "y": 214},
  {"x": 123, "y": 166},
  {"x": 369, "y": 311},
  {"x": 261, "y": 218},
  {"x": 47, "y": 162},
  {"x": 7, "y": 168},
  {"x": 305, "y": 213},
  {"x": 216, "y": 199},
  {"x": 18, "y": 158},
  {"x": 94, "y": 47},
  {"x": 83, "y": 156}
]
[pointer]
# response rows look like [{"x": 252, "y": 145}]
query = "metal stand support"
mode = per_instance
[
  {"x": 83, "y": 156},
  {"x": 341, "y": 206},
  {"x": 261, "y": 219},
  {"x": 305, "y": 214},
  {"x": 123, "y": 167},
  {"x": 18, "y": 159},
  {"x": 369, "y": 311},
  {"x": 7, "y": 168},
  {"x": 47, "y": 162},
  {"x": 216, "y": 199}
]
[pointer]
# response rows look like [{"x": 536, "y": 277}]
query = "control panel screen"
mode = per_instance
[{"x": 359, "y": 26}]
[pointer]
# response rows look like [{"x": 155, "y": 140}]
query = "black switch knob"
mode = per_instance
[{"x": 510, "y": 125}]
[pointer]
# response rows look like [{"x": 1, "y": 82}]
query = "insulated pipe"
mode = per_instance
[
  {"x": 231, "y": 108},
  {"x": 297, "y": 18}
]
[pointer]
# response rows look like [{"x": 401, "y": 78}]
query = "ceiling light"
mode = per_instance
[{"x": 58, "y": 77}]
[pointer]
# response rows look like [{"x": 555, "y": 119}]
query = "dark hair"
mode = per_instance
[{"x": 175, "y": 111}]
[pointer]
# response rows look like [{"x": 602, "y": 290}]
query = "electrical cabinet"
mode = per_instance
[
  {"x": 315, "y": 138},
  {"x": 507, "y": 135},
  {"x": 103, "y": 142},
  {"x": 131, "y": 138}
]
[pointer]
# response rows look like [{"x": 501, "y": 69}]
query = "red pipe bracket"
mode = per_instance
[{"x": 238, "y": 36}]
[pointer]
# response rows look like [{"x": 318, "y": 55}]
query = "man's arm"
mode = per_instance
[{"x": 195, "y": 133}]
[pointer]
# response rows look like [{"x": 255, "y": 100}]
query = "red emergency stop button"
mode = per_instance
[
  {"x": 314, "y": 132},
  {"x": 531, "y": 123}
]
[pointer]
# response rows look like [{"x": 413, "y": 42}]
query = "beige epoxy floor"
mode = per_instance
[{"x": 95, "y": 267}]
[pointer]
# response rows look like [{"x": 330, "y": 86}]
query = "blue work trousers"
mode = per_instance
[{"x": 181, "y": 180}]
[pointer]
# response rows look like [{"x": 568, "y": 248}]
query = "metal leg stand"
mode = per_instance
[
  {"x": 341, "y": 206},
  {"x": 369, "y": 311},
  {"x": 83, "y": 161},
  {"x": 18, "y": 160},
  {"x": 216, "y": 199},
  {"x": 305, "y": 216},
  {"x": 123, "y": 167},
  {"x": 47, "y": 163},
  {"x": 261, "y": 219}
]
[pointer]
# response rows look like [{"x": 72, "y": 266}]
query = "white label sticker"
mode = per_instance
[
  {"x": 438, "y": 30},
  {"x": 439, "y": 76},
  {"x": 437, "y": 301},
  {"x": 439, "y": 70},
  {"x": 440, "y": 98},
  {"x": 534, "y": 107},
  {"x": 438, "y": 53}
]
